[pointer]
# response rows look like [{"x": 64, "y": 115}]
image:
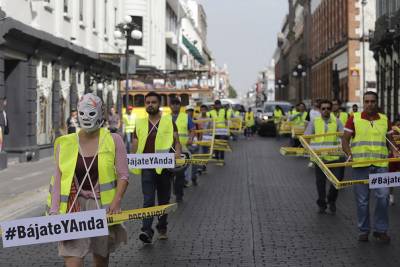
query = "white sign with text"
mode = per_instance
[
  {"x": 151, "y": 161},
  {"x": 54, "y": 228},
  {"x": 381, "y": 180}
]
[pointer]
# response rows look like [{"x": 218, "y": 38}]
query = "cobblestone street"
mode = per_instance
[{"x": 258, "y": 210}]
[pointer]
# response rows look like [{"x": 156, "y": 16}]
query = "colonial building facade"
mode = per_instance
[
  {"x": 386, "y": 47},
  {"x": 337, "y": 49},
  {"x": 49, "y": 57}
]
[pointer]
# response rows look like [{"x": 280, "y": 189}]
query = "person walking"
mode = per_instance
[
  {"x": 72, "y": 122},
  {"x": 219, "y": 115},
  {"x": 325, "y": 124},
  {"x": 250, "y": 123},
  {"x": 337, "y": 111},
  {"x": 186, "y": 129},
  {"x": 94, "y": 162},
  {"x": 368, "y": 133},
  {"x": 129, "y": 127},
  {"x": 156, "y": 133},
  {"x": 114, "y": 122}
]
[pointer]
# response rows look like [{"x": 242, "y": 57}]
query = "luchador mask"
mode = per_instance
[{"x": 90, "y": 112}]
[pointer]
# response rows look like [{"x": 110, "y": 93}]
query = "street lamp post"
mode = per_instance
[
  {"x": 279, "y": 85},
  {"x": 299, "y": 73},
  {"x": 127, "y": 29}
]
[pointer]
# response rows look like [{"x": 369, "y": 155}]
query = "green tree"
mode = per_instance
[{"x": 232, "y": 92}]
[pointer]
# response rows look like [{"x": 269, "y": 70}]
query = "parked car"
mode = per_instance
[{"x": 265, "y": 120}]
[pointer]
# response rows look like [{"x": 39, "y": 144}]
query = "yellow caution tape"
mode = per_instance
[
  {"x": 138, "y": 214},
  {"x": 329, "y": 175},
  {"x": 191, "y": 161}
]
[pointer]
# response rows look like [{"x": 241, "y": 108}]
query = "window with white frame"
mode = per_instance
[{"x": 44, "y": 70}]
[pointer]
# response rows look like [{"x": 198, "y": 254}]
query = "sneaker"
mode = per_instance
[
  {"x": 363, "y": 237},
  {"x": 332, "y": 207},
  {"x": 145, "y": 237},
  {"x": 381, "y": 237},
  {"x": 391, "y": 199},
  {"x": 162, "y": 235},
  {"x": 310, "y": 165},
  {"x": 188, "y": 184}
]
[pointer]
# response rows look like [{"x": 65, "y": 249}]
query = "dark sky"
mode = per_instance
[{"x": 242, "y": 34}]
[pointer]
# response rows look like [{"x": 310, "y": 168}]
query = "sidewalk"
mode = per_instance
[{"x": 23, "y": 188}]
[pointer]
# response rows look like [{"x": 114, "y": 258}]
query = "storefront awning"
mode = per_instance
[{"x": 193, "y": 50}]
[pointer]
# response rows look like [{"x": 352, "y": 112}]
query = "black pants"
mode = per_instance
[
  {"x": 321, "y": 185},
  {"x": 179, "y": 184},
  {"x": 152, "y": 184}
]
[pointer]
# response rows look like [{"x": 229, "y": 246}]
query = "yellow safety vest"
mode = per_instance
[
  {"x": 68, "y": 156},
  {"x": 229, "y": 113},
  {"x": 343, "y": 116},
  {"x": 129, "y": 122},
  {"x": 325, "y": 141},
  {"x": 182, "y": 125},
  {"x": 164, "y": 137},
  {"x": 249, "y": 119},
  {"x": 300, "y": 120},
  {"x": 219, "y": 117},
  {"x": 369, "y": 142},
  {"x": 277, "y": 115}
]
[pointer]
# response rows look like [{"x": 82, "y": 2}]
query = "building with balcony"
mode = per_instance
[
  {"x": 337, "y": 49},
  {"x": 50, "y": 55},
  {"x": 385, "y": 45}
]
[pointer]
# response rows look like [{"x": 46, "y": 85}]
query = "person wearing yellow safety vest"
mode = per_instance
[
  {"x": 129, "y": 127},
  {"x": 219, "y": 115},
  {"x": 322, "y": 125},
  {"x": 336, "y": 110},
  {"x": 91, "y": 173},
  {"x": 249, "y": 122},
  {"x": 156, "y": 133},
  {"x": 298, "y": 119},
  {"x": 366, "y": 136},
  {"x": 278, "y": 114},
  {"x": 186, "y": 134},
  {"x": 299, "y": 115}
]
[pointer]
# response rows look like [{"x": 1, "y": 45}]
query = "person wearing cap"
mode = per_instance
[
  {"x": 186, "y": 129},
  {"x": 129, "y": 127},
  {"x": 219, "y": 115}
]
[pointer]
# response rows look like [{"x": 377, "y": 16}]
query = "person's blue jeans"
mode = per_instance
[
  {"x": 381, "y": 216},
  {"x": 152, "y": 184},
  {"x": 128, "y": 142}
]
